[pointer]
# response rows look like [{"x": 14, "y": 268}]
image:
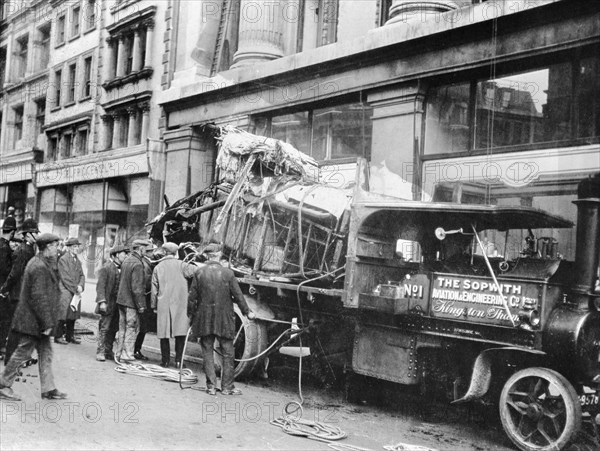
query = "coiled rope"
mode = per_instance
[{"x": 183, "y": 376}]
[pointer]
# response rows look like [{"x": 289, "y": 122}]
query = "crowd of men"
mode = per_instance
[{"x": 40, "y": 298}]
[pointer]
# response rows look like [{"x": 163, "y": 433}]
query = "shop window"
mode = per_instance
[
  {"x": 60, "y": 30},
  {"x": 18, "y": 125},
  {"x": 331, "y": 133},
  {"x": 75, "y": 21},
  {"x": 43, "y": 48},
  {"x": 72, "y": 72},
  {"x": 553, "y": 104},
  {"x": 21, "y": 51},
  {"x": 87, "y": 78},
  {"x": 587, "y": 98},
  {"x": 294, "y": 129},
  {"x": 339, "y": 132}
]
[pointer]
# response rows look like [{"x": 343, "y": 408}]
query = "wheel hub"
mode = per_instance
[{"x": 534, "y": 411}]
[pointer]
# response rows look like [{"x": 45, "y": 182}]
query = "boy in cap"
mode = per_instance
[
  {"x": 35, "y": 319},
  {"x": 72, "y": 283},
  {"x": 13, "y": 283},
  {"x": 106, "y": 302}
]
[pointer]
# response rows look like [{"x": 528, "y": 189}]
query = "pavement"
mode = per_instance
[{"x": 107, "y": 409}]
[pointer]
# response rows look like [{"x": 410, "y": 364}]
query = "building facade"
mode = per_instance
[
  {"x": 453, "y": 101},
  {"x": 80, "y": 121}
]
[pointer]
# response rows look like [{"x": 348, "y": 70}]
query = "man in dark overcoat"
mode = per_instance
[
  {"x": 72, "y": 281},
  {"x": 35, "y": 319},
  {"x": 210, "y": 304},
  {"x": 14, "y": 281},
  {"x": 131, "y": 299},
  {"x": 106, "y": 302},
  {"x": 6, "y": 307}
]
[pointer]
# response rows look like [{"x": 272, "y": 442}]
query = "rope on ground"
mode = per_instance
[
  {"x": 407, "y": 447},
  {"x": 184, "y": 376}
]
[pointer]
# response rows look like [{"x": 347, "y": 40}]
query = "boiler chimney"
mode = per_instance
[{"x": 588, "y": 240}]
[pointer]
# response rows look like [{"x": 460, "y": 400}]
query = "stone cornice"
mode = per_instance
[
  {"x": 142, "y": 74},
  {"x": 132, "y": 20}
]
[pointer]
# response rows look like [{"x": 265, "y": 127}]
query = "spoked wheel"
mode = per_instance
[
  {"x": 540, "y": 410},
  {"x": 250, "y": 341}
]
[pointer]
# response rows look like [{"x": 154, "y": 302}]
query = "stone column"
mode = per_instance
[
  {"x": 395, "y": 164},
  {"x": 260, "y": 33},
  {"x": 121, "y": 57},
  {"x": 409, "y": 10},
  {"x": 149, "y": 42},
  {"x": 116, "y": 137},
  {"x": 132, "y": 116},
  {"x": 109, "y": 66},
  {"x": 145, "y": 121},
  {"x": 137, "y": 51}
]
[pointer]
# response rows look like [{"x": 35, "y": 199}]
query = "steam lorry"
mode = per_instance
[{"x": 474, "y": 301}]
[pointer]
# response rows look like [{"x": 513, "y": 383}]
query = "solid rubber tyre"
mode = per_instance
[{"x": 540, "y": 410}]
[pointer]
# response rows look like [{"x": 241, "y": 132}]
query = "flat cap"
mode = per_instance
[
  {"x": 72, "y": 241},
  {"x": 46, "y": 238},
  {"x": 212, "y": 248},
  {"x": 140, "y": 243},
  {"x": 9, "y": 224},
  {"x": 170, "y": 248},
  {"x": 118, "y": 248}
]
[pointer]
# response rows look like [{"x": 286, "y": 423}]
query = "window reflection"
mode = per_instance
[
  {"x": 556, "y": 103},
  {"x": 332, "y": 133}
]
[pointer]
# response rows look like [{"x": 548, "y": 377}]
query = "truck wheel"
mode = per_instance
[
  {"x": 540, "y": 410},
  {"x": 251, "y": 341}
]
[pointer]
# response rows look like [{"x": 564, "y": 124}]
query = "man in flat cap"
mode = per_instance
[
  {"x": 106, "y": 301},
  {"x": 169, "y": 301},
  {"x": 13, "y": 283},
  {"x": 35, "y": 319},
  {"x": 131, "y": 299},
  {"x": 6, "y": 307},
  {"x": 72, "y": 283},
  {"x": 210, "y": 304},
  {"x": 148, "y": 318}
]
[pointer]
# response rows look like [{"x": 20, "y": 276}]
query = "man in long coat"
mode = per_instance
[
  {"x": 131, "y": 299},
  {"x": 72, "y": 283},
  {"x": 210, "y": 303},
  {"x": 6, "y": 307},
  {"x": 106, "y": 302},
  {"x": 169, "y": 301},
  {"x": 35, "y": 319},
  {"x": 14, "y": 281}
]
